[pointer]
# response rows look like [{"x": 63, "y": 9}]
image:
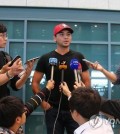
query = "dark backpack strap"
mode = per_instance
[{"x": 7, "y": 57}]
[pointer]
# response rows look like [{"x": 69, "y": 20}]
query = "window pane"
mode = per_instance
[
  {"x": 16, "y": 48},
  {"x": 93, "y": 53},
  {"x": 90, "y": 31},
  {"x": 115, "y": 93},
  {"x": 38, "y": 49},
  {"x": 115, "y": 57},
  {"x": 35, "y": 125},
  {"x": 116, "y": 127},
  {"x": 115, "y": 32},
  {"x": 82, "y": 31},
  {"x": 17, "y": 93},
  {"x": 15, "y": 29},
  {"x": 40, "y": 30},
  {"x": 101, "y": 85}
]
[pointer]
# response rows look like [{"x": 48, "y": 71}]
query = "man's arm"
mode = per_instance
[
  {"x": 111, "y": 76},
  {"x": 85, "y": 76},
  {"x": 36, "y": 81},
  {"x": 36, "y": 88}
]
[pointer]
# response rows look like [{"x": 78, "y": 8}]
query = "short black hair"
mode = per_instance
[
  {"x": 85, "y": 101},
  {"x": 3, "y": 28},
  {"x": 10, "y": 108}
]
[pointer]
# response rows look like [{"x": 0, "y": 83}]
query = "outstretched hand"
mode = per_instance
[
  {"x": 77, "y": 85},
  {"x": 96, "y": 66},
  {"x": 64, "y": 88},
  {"x": 50, "y": 84}
]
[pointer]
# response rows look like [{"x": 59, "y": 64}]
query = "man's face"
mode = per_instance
[
  {"x": 63, "y": 38},
  {"x": 3, "y": 40}
]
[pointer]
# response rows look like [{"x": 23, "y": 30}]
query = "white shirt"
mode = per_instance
[{"x": 95, "y": 126}]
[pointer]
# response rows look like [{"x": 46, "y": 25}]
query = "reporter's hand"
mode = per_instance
[
  {"x": 96, "y": 66},
  {"x": 29, "y": 67},
  {"x": 16, "y": 68},
  {"x": 64, "y": 88},
  {"x": 50, "y": 84},
  {"x": 5, "y": 68},
  {"x": 77, "y": 85}
]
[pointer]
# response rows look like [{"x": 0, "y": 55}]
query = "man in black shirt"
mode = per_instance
[{"x": 58, "y": 117}]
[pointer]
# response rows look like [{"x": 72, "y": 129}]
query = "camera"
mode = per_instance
[{"x": 33, "y": 103}]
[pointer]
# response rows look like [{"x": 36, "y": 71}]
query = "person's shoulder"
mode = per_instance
[
  {"x": 4, "y": 130},
  {"x": 75, "y": 52},
  {"x": 98, "y": 126},
  {"x": 6, "y": 55},
  {"x": 48, "y": 54}
]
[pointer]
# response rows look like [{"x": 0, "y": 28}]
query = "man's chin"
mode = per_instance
[{"x": 65, "y": 45}]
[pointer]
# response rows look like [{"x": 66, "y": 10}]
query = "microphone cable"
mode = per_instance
[
  {"x": 57, "y": 113},
  {"x": 62, "y": 67}
]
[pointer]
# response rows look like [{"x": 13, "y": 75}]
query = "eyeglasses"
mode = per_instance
[{"x": 3, "y": 35}]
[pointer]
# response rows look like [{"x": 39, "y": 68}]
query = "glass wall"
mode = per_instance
[{"x": 98, "y": 41}]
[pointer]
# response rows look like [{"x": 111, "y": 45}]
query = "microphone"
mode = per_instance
[
  {"x": 62, "y": 67},
  {"x": 79, "y": 72},
  {"x": 74, "y": 66},
  {"x": 52, "y": 62}
]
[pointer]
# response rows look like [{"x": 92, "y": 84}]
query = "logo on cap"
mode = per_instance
[{"x": 58, "y": 28}]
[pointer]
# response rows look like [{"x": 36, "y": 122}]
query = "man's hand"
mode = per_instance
[{"x": 45, "y": 105}]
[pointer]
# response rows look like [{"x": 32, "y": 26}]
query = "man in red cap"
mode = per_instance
[{"x": 58, "y": 117}]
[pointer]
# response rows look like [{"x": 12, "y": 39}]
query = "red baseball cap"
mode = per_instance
[{"x": 58, "y": 28}]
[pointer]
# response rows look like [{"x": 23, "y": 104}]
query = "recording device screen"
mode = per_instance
[
  {"x": 36, "y": 58},
  {"x": 17, "y": 57},
  {"x": 87, "y": 61}
]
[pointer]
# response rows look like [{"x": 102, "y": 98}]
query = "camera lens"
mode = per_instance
[{"x": 33, "y": 103}]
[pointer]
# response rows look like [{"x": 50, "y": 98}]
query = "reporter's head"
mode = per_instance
[
  {"x": 85, "y": 101},
  {"x": 11, "y": 112}
]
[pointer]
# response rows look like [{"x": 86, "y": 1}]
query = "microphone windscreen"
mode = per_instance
[
  {"x": 74, "y": 64},
  {"x": 62, "y": 65},
  {"x": 79, "y": 66},
  {"x": 53, "y": 61}
]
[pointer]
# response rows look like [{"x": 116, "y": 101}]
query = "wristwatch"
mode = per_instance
[{"x": 9, "y": 77}]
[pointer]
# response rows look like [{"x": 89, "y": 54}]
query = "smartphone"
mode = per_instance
[
  {"x": 87, "y": 61},
  {"x": 36, "y": 58},
  {"x": 17, "y": 57}
]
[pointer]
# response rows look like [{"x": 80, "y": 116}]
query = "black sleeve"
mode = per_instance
[
  {"x": 40, "y": 67},
  {"x": 117, "y": 82},
  {"x": 84, "y": 65},
  {"x": 2, "y": 59},
  {"x": 45, "y": 91},
  {"x": 13, "y": 83},
  {"x": 111, "y": 107}
]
